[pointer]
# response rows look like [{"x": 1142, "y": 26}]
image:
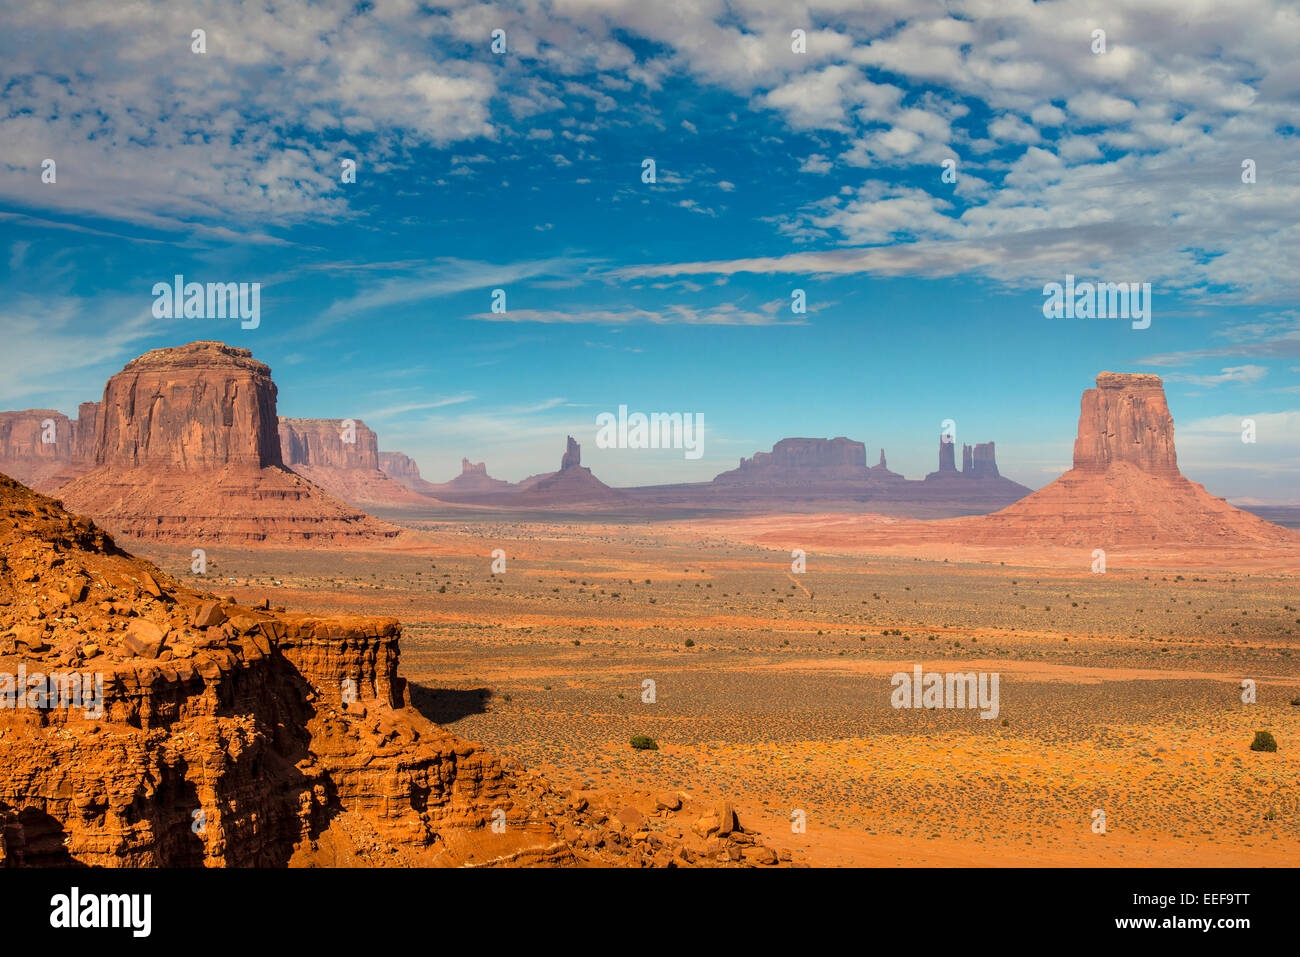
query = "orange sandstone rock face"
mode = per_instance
[
  {"x": 223, "y": 735},
  {"x": 200, "y": 406},
  {"x": 1126, "y": 419},
  {"x": 188, "y": 450},
  {"x": 329, "y": 443}
]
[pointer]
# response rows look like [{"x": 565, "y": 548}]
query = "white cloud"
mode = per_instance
[{"x": 1239, "y": 375}]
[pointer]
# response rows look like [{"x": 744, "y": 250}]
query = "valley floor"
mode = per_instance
[{"x": 1119, "y": 693}]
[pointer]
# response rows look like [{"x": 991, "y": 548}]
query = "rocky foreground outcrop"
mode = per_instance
[
  {"x": 206, "y": 733},
  {"x": 188, "y": 450}
]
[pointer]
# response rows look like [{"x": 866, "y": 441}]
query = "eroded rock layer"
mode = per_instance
[
  {"x": 200, "y": 732},
  {"x": 188, "y": 449}
]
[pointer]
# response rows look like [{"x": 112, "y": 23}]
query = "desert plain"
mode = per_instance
[{"x": 1121, "y": 693}]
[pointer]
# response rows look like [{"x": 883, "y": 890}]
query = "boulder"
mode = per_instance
[{"x": 144, "y": 639}]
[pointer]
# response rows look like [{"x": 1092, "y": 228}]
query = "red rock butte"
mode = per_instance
[
  {"x": 1126, "y": 419},
  {"x": 188, "y": 450},
  {"x": 342, "y": 457},
  {"x": 1125, "y": 487}
]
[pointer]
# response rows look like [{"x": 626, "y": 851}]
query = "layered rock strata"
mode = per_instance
[
  {"x": 342, "y": 457},
  {"x": 224, "y": 735},
  {"x": 188, "y": 449}
]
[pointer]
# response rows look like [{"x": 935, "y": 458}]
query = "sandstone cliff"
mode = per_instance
[
  {"x": 188, "y": 450},
  {"x": 226, "y": 735},
  {"x": 1126, "y": 419},
  {"x": 342, "y": 457},
  {"x": 28, "y": 454},
  {"x": 195, "y": 407},
  {"x": 35, "y": 444},
  {"x": 86, "y": 431}
]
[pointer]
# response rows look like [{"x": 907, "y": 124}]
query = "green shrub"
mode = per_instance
[
  {"x": 644, "y": 742},
  {"x": 1264, "y": 741},
  {"x": 690, "y": 643}
]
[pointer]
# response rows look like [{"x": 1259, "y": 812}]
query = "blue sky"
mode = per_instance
[{"x": 775, "y": 171}]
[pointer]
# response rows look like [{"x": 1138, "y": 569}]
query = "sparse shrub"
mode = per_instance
[
  {"x": 1006, "y": 723},
  {"x": 1264, "y": 741},
  {"x": 1295, "y": 702},
  {"x": 644, "y": 742},
  {"x": 690, "y": 642}
]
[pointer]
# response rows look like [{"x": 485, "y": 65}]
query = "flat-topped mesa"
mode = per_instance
[
  {"x": 402, "y": 469},
  {"x": 1126, "y": 419},
  {"x": 38, "y": 447},
  {"x": 45, "y": 449},
  {"x": 810, "y": 453},
  {"x": 328, "y": 443},
  {"x": 802, "y": 460},
  {"x": 572, "y": 455},
  {"x": 194, "y": 407},
  {"x": 188, "y": 449},
  {"x": 34, "y": 435},
  {"x": 399, "y": 465}
]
